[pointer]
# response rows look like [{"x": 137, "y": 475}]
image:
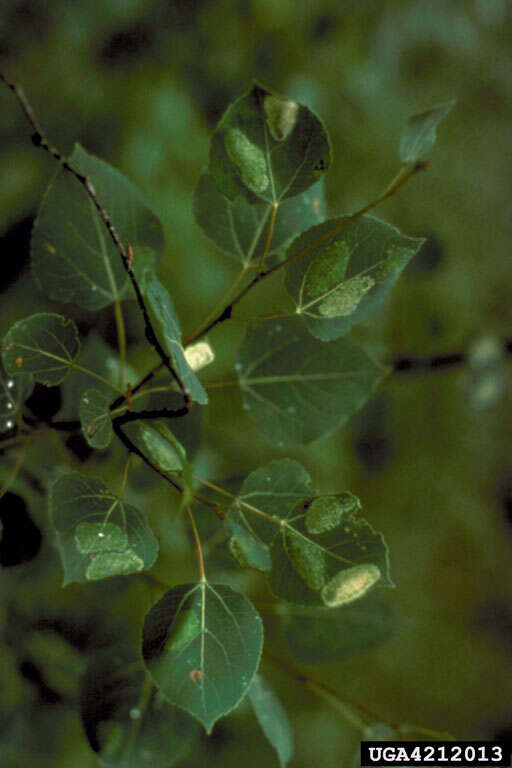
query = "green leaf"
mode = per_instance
[
  {"x": 240, "y": 229},
  {"x": 322, "y": 553},
  {"x": 83, "y": 510},
  {"x": 273, "y": 490},
  {"x": 95, "y": 418},
  {"x": 419, "y": 133},
  {"x": 166, "y": 325},
  {"x": 246, "y": 549},
  {"x": 186, "y": 430},
  {"x": 316, "y": 634},
  {"x": 73, "y": 256},
  {"x": 98, "y": 357},
  {"x": 268, "y": 148},
  {"x": 272, "y": 718},
  {"x": 202, "y": 644},
  {"x": 343, "y": 279},
  {"x": 13, "y": 393},
  {"x": 127, "y": 721},
  {"x": 162, "y": 447},
  {"x": 332, "y": 568},
  {"x": 43, "y": 345},
  {"x": 297, "y": 390}
]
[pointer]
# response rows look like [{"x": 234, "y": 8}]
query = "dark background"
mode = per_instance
[{"x": 142, "y": 83}]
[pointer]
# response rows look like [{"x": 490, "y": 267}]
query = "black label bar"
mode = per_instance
[{"x": 435, "y": 753}]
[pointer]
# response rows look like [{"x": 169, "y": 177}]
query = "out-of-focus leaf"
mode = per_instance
[
  {"x": 95, "y": 418},
  {"x": 297, "y": 389},
  {"x": 202, "y": 644},
  {"x": 272, "y": 718},
  {"x": 268, "y": 148},
  {"x": 73, "y": 256},
  {"x": 43, "y": 345},
  {"x": 345, "y": 277},
  {"x": 419, "y": 134},
  {"x": 127, "y": 721},
  {"x": 315, "y": 634}
]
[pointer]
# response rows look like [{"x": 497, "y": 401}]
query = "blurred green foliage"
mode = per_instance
[{"x": 141, "y": 83}]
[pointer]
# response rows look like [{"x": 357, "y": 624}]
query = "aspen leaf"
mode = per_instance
[
  {"x": 44, "y": 345},
  {"x": 267, "y": 148},
  {"x": 202, "y": 645}
]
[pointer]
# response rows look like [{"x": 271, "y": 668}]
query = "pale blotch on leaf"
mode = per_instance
[
  {"x": 307, "y": 559},
  {"x": 238, "y": 552},
  {"x": 113, "y": 564},
  {"x": 350, "y": 584},
  {"x": 249, "y": 159},
  {"x": 99, "y": 537},
  {"x": 50, "y": 248},
  {"x": 186, "y": 626},
  {"x": 326, "y": 512},
  {"x": 281, "y": 116},
  {"x": 395, "y": 261},
  {"x": 328, "y": 269},
  {"x": 161, "y": 450},
  {"x": 345, "y": 299},
  {"x": 199, "y": 355}
]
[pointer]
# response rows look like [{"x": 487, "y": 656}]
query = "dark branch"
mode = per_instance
[{"x": 39, "y": 140}]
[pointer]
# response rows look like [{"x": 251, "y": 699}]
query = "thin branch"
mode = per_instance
[
  {"x": 268, "y": 241},
  {"x": 121, "y": 339},
  {"x": 398, "y": 182},
  {"x": 323, "y": 691},
  {"x": 39, "y": 139},
  {"x": 202, "y": 574}
]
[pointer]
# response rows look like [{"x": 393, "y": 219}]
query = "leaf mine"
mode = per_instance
[
  {"x": 346, "y": 297},
  {"x": 350, "y": 584},
  {"x": 326, "y": 512},
  {"x": 281, "y": 116},
  {"x": 307, "y": 560},
  {"x": 100, "y": 537},
  {"x": 249, "y": 159}
]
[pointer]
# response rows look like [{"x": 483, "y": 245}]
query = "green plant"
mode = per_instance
[{"x": 96, "y": 244}]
